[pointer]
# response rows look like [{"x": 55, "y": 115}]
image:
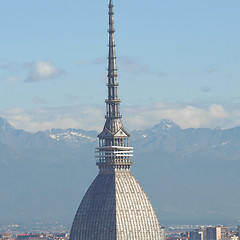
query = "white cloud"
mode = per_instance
[
  {"x": 135, "y": 117},
  {"x": 33, "y": 120},
  {"x": 186, "y": 116},
  {"x": 40, "y": 71},
  {"x": 217, "y": 111}
]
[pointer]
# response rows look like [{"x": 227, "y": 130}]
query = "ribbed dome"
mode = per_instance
[{"x": 115, "y": 207}]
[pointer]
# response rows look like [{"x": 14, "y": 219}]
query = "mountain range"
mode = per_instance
[{"x": 190, "y": 175}]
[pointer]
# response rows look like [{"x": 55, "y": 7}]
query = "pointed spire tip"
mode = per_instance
[{"x": 110, "y": 3}]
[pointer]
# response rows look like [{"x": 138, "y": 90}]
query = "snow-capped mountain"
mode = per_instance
[
  {"x": 193, "y": 164},
  {"x": 165, "y": 125},
  {"x": 5, "y": 125},
  {"x": 71, "y": 135}
]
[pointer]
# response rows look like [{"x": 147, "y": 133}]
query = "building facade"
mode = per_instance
[
  {"x": 196, "y": 235},
  {"x": 224, "y": 233},
  {"x": 214, "y": 233},
  {"x": 238, "y": 231},
  {"x": 115, "y": 206}
]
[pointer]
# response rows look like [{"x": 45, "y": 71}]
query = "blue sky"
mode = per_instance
[{"x": 176, "y": 59}]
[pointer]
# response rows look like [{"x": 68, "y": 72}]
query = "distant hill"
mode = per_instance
[{"x": 190, "y": 175}]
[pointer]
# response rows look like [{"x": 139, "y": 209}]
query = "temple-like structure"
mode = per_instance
[{"x": 115, "y": 206}]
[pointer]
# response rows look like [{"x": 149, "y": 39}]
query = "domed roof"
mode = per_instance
[{"x": 115, "y": 207}]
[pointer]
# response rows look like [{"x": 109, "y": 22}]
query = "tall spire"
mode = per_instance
[
  {"x": 113, "y": 152},
  {"x": 112, "y": 69},
  {"x": 113, "y": 103},
  {"x": 115, "y": 206}
]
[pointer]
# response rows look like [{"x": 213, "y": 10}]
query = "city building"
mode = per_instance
[
  {"x": 224, "y": 233},
  {"x": 5, "y": 236},
  {"x": 177, "y": 238},
  {"x": 233, "y": 237},
  {"x": 163, "y": 233},
  {"x": 238, "y": 231},
  {"x": 214, "y": 233},
  {"x": 196, "y": 235},
  {"x": 42, "y": 236},
  {"x": 31, "y": 236},
  {"x": 115, "y": 206}
]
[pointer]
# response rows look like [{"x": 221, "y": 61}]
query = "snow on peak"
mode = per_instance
[
  {"x": 5, "y": 125},
  {"x": 72, "y": 135},
  {"x": 165, "y": 125}
]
